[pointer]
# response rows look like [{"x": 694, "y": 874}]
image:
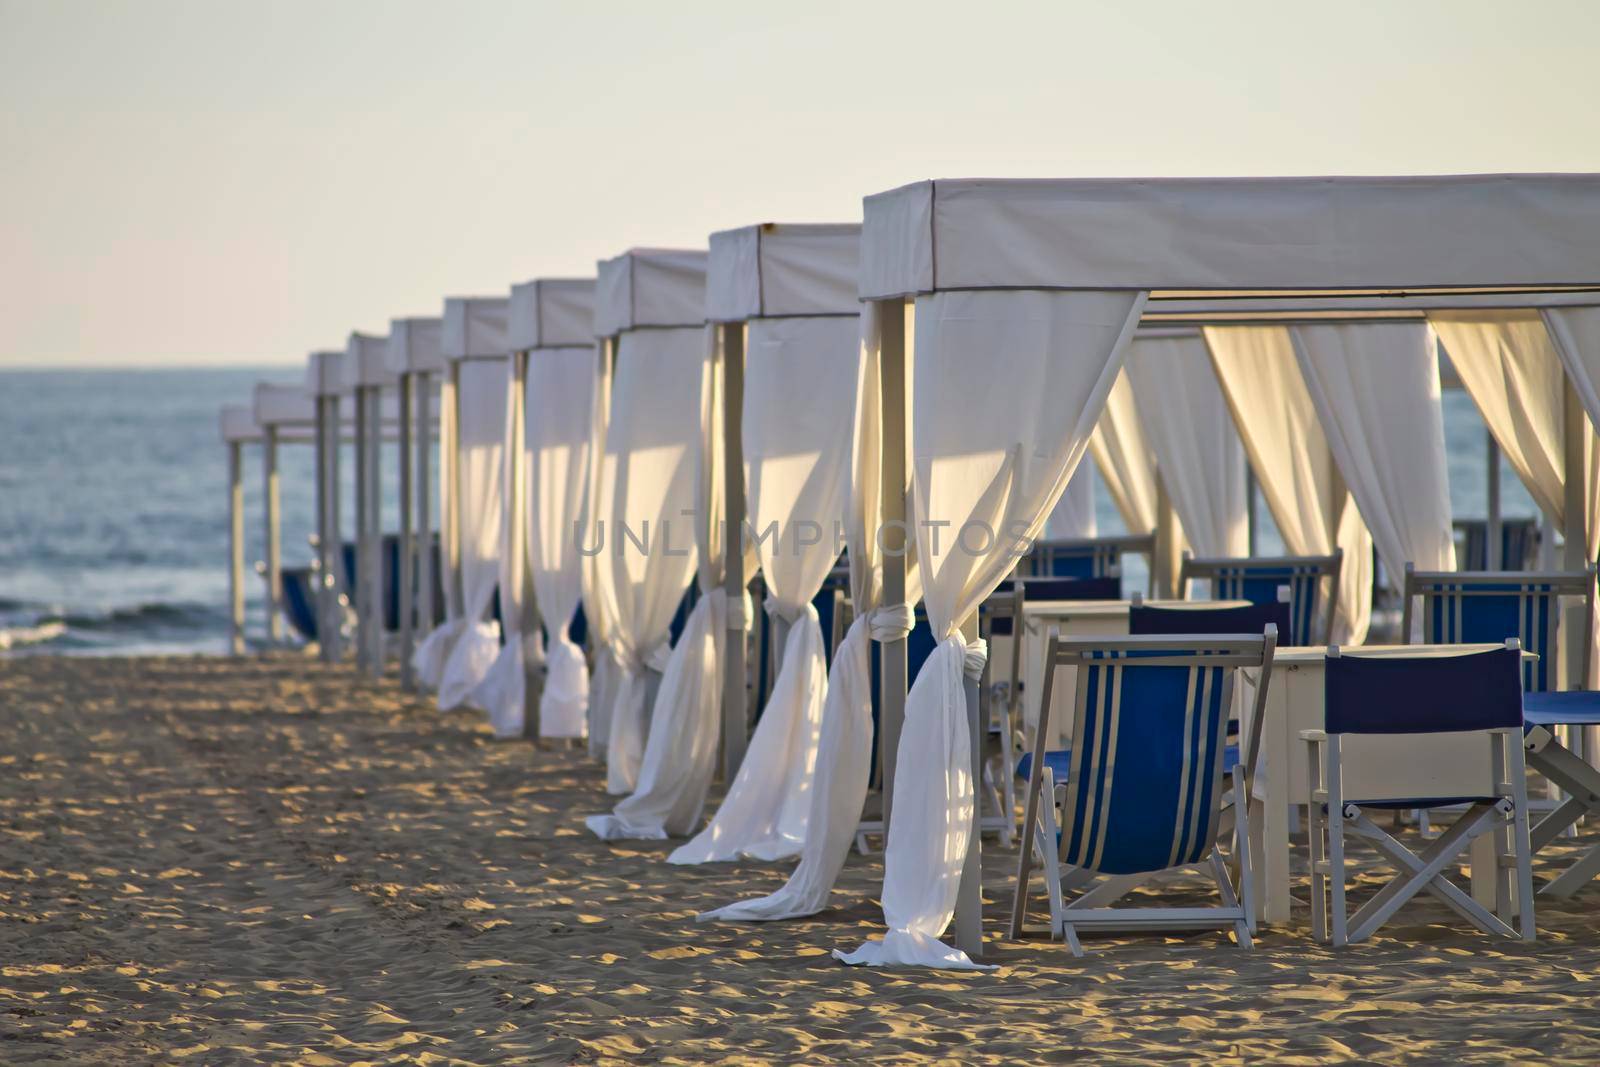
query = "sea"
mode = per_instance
[{"x": 114, "y": 507}]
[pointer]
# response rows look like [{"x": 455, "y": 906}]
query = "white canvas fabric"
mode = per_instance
[
  {"x": 645, "y": 491},
  {"x": 1186, "y": 423},
  {"x": 777, "y": 270},
  {"x": 481, "y": 445},
  {"x": 680, "y": 746},
  {"x": 551, "y": 313},
  {"x": 1231, "y": 233},
  {"x": 1375, "y": 387},
  {"x": 474, "y": 327},
  {"x": 593, "y": 569},
  {"x": 1576, "y": 333},
  {"x": 416, "y": 345},
  {"x": 844, "y": 749},
  {"x": 434, "y": 650},
  {"x": 799, "y": 414},
  {"x": 1293, "y": 464},
  {"x": 650, "y": 287},
  {"x": 1074, "y": 515},
  {"x": 560, "y": 405},
  {"x": 1512, "y": 365},
  {"x": 1125, "y": 459},
  {"x": 1007, "y": 389},
  {"x": 503, "y": 691}
]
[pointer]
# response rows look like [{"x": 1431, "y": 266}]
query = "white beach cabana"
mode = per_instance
[
  {"x": 551, "y": 335},
  {"x": 655, "y": 515},
  {"x": 554, "y": 316},
  {"x": 325, "y": 382},
  {"x": 782, "y": 299},
  {"x": 454, "y": 658},
  {"x": 416, "y": 359},
  {"x": 283, "y": 413},
  {"x": 1027, "y": 294},
  {"x": 367, "y": 375}
]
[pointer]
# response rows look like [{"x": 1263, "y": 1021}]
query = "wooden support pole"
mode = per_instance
[
  {"x": 274, "y": 534},
  {"x": 735, "y": 695},
  {"x": 423, "y": 465},
  {"x": 893, "y": 537},
  {"x": 969, "y": 894},
  {"x": 235, "y": 548},
  {"x": 408, "y": 593}
]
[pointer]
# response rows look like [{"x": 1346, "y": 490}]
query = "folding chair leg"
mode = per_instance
[
  {"x": 1241, "y": 927},
  {"x": 1407, "y": 862},
  {"x": 1243, "y": 861},
  {"x": 1336, "y": 874},
  {"x": 1424, "y": 870},
  {"x": 1582, "y": 785}
]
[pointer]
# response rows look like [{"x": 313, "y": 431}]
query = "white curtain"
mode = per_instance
[
  {"x": 1190, "y": 432},
  {"x": 1375, "y": 387},
  {"x": 503, "y": 690},
  {"x": 481, "y": 446},
  {"x": 685, "y": 725},
  {"x": 799, "y": 412},
  {"x": 1074, "y": 513},
  {"x": 1007, "y": 388},
  {"x": 594, "y": 568},
  {"x": 1294, "y": 466},
  {"x": 844, "y": 749},
  {"x": 560, "y": 402},
  {"x": 1512, "y": 371},
  {"x": 1124, "y": 459},
  {"x": 1512, "y": 362},
  {"x": 646, "y": 494},
  {"x": 435, "y": 648}
]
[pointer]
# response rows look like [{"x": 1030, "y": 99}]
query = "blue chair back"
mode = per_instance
[
  {"x": 1201, "y": 618},
  {"x": 1084, "y": 557},
  {"x": 1310, "y": 579},
  {"x": 1423, "y": 694},
  {"x": 1072, "y": 588},
  {"x": 299, "y": 601},
  {"x": 1519, "y": 543},
  {"x": 1487, "y": 608},
  {"x": 1146, "y": 764}
]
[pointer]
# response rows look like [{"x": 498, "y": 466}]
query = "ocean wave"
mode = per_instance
[
  {"x": 164, "y": 614},
  {"x": 19, "y": 636}
]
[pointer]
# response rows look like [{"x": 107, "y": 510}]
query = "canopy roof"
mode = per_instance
[
  {"x": 551, "y": 313},
  {"x": 325, "y": 374},
  {"x": 650, "y": 287},
  {"x": 237, "y": 424},
  {"x": 415, "y": 345},
  {"x": 1284, "y": 243},
  {"x": 475, "y": 327},
  {"x": 366, "y": 360},
  {"x": 279, "y": 405},
  {"x": 779, "y": 270}
]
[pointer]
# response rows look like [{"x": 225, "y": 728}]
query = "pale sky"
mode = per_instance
[{"x": 216, "y": 181}]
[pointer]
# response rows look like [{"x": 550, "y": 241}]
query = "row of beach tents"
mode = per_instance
[{"x": 893, "y": 407}]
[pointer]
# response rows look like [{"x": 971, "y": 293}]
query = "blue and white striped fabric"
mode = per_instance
[
  {"x": 1491, "y": 613},
  {"x": 1146, "y": 766},
  {"x": 1259, "y": 583}
]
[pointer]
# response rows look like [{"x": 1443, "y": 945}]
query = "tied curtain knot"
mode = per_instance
[
  {"x": 787, "y": 612},
  {"x": 741, "y": 614},
  {"x": 655, "y": 660},
  {"x": 891, "y": 622},
  {"x": 976, "y": 655}
]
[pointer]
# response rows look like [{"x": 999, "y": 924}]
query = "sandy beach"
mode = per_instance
[{"x": 269, "y": 860}]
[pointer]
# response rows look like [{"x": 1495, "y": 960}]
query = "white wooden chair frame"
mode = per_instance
[
  {"x": 1090, "y": 909},
  {"x": 1330, "y": 815}
]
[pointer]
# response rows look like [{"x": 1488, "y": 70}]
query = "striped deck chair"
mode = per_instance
[
  {"x": 1519, "y": 544},
  {"x": 1145, "y": 788},
  {"x": 1312, "y": 582},
  {"x": 1460, "y": 607},
  {"x": 1085, "y": 557},
  {"x": 1474, "y": 692}
]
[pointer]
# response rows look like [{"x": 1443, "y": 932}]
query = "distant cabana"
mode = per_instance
[
  {"x": 782, "y": 300},
  {"x": 550, "y": 333},
  {"x": 416, "y": 359},
  {"x": 1027, "y": 295},
  {"x": 457, "y": 655},
  {"x": 283, "y": 412},
  {"x": 659, "y": 515},
  {"x": 366, "y": 374}
]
